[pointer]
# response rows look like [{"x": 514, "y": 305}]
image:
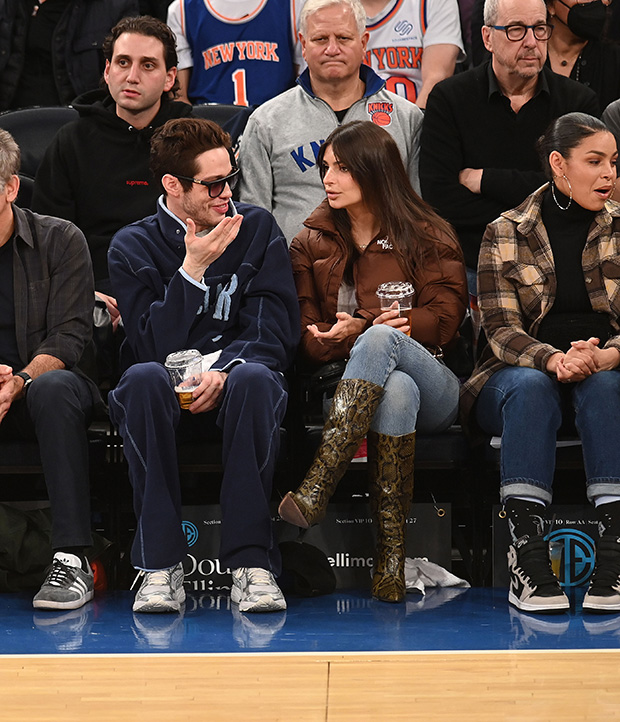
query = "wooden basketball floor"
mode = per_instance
[
  {"x": 453, "y": 654},
  {"x": 512, "y": 685}
]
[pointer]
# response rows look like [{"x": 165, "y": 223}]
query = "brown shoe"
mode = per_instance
[
  {"x": 352, "y": 409},
  {"x": 390, "y": 461}
]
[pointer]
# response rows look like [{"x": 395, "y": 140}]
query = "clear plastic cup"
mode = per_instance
[
  {"x": 401, "y": 292},
  {"x": 185, "y": 369}
]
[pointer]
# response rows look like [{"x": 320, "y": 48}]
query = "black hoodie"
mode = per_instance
[{"x": 96, "y": 173}]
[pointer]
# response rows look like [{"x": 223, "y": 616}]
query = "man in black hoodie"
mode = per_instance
[{"x": 96, "y": 171}]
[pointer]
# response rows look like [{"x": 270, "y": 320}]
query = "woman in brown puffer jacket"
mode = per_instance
[{"x": 373, "y": 228}]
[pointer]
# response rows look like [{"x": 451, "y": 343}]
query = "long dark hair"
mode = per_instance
[{"x": 373, "y": 159}]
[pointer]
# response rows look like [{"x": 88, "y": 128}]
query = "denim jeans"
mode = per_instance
[
  {"x": 420, "y": 391},
  {"x": 525, "y": 406}
]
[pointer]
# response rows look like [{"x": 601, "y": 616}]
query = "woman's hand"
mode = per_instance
[
  {"x": 565, "y": 373},
  {"x": 583, "y": 359},
  {"x": 604, "y": 359},
  {"x": 345, "y": 326},
  {"x": 579, "y": 360},
  {"x": 393, "y": 318}
]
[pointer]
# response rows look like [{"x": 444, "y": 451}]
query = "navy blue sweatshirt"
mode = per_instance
[{"x": 247, "y": 306}]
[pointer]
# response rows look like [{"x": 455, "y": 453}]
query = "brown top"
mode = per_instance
[{"x": 318, "y": 255}]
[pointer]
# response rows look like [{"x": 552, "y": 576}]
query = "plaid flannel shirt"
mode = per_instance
[{"x": 517, "y": 285}]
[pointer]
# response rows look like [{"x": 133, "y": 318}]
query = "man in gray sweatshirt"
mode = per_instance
[{"x": 282, "y": 139}]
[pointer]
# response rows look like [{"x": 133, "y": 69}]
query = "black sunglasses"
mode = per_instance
[{"x": 215, "y": 187}]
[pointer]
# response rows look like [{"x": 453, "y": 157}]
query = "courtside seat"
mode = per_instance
[
  {"x": 446, "y": 450},
  {"x": 26, "y": 189},
  {"x": 199, "y": 456},
  {"x": 233, "y": 118},
  {"x": 23, "y": 457},
  {"x": 33, "y": 130}
]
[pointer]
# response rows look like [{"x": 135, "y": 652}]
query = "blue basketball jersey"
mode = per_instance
[{"x": 243, "y": 62}]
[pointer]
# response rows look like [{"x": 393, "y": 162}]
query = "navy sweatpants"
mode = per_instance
[{"x": 145, "y": 409}]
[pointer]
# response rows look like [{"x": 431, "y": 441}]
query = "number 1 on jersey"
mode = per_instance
[{"x": 241, "y": 96}]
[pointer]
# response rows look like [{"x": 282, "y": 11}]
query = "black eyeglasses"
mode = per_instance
[
  {"x": 215, "y": 187},
  {"x": 515, "y": 33}
]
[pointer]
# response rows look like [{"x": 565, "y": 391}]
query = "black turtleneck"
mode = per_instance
[
  {"x": 567, "y": 231},
  {"x": 571, "y": 317}
]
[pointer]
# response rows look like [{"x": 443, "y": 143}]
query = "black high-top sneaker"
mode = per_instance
[
  {"x": 533, "y": 585},
  {"x": 603, "y": 595}
]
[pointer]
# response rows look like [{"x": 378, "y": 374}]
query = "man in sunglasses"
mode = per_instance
[
  {"x": 209, "y": 274},
  {"x": 478, "y": 148}
]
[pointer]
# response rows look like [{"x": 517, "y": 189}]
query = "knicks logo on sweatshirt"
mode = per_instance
[
  {"x": 222, "y": 298},
  {"x": 242, "y": 50},
  {"x": 381, "y": 113},
  {"x": 306, "y": 156}
]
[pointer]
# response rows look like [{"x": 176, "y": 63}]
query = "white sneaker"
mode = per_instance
[
  {"x": 161, "y": 591},
  {"x": 255, "y": 590}
]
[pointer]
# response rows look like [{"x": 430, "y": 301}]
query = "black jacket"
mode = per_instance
[
  {"x": 77, "y": 45},
  {"x": 96, "y": 173},
  {"x": 468, "y": 123}
]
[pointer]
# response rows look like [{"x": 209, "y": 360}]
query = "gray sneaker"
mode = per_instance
[
  {"x": 161, "y": 591},
  {"x": 66, "y": 586},
  {"x": 255, "y": 590}
]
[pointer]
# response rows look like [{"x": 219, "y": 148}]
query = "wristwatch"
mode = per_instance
[{"x": 27, "y": 380}]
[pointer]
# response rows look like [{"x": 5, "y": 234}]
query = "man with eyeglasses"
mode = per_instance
[
  {"x": 208, "y": 274},
  {"x": 478, "y": 148}
]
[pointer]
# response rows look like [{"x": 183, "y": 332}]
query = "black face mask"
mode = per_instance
[{"x": 587, "y": 21}]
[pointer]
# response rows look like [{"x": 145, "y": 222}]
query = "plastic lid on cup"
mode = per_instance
[
  {"x": 395, "y": 290},
  {"x": 179, "y": 359}
]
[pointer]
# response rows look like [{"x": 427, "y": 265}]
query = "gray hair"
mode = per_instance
[
  {"x": 491, "y": 11},
  {"x": 10, "y": 157},
  {"x": 313, "y": 6}
]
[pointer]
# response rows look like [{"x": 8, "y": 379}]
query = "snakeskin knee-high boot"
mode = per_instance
[
  {"x": 353, "y": 407},
  {"x": 390, "y": 461}
]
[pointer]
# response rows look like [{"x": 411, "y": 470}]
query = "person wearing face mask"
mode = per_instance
[{"x": 577, "y": 51}]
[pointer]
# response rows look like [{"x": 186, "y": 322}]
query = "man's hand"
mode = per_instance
[
  {"x": 207, "y": 395},
  {"x": 345, "y": 326},
  {"x": 471, "y": 178},
  {"x": 10, "y": 388},
  {"x": 393, "y": 318},
  {"x": 112, "y": 307},
  {"x": 201, "y": 251},
  {"x": 6, "y": 374}
]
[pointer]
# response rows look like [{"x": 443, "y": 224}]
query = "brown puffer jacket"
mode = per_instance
[{"x": 318, "y": 256}]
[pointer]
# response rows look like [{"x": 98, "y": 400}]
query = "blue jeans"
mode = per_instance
[
  {"x": 524, "y": 406},
  {"x": 420, "y": 391}
]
